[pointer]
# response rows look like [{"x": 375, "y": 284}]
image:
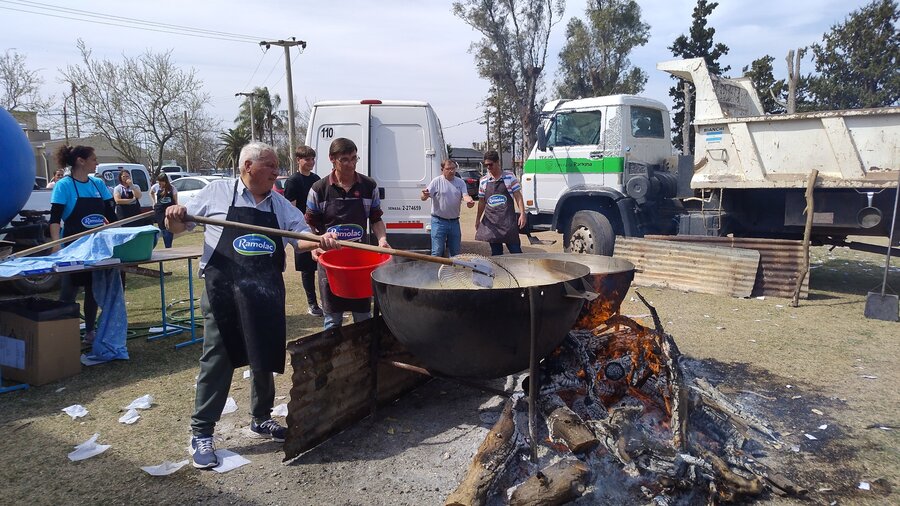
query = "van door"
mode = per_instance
[
  {"x": 574, "y": 156},
  {"x": 401, "y": 160},
  {"x": 330, "y": 122}
]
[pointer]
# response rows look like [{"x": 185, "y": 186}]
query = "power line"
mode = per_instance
[
  {"x": 464, "y": 122},
  {"x": 134, "y": 24},
  {"x": 266, "y": 80},
  {"x": 299, "y": 51},
  {"x": 264, "y": 52}
]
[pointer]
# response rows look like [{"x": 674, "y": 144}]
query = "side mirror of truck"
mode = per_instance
[{"x": 541, "y": 138}]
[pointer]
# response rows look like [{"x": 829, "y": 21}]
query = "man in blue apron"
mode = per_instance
[
  {"x": 342, "y": 203},
  {"x": 244, "y": 299},
  {"x": 496, "y": 222}
]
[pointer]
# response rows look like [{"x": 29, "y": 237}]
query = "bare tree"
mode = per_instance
[
  {"x": 139, "y": 102},
  {"x": 793, "y": 78},
  {"x": 513, "y": 50},
  {"x": 19, "y": 86}
]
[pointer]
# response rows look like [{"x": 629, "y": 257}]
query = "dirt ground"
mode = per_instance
[{"x": 784, "y": 362}]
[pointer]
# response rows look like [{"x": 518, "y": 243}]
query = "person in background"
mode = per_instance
[
  {"x": 342, "y": 203},
  {"x": 243, "y": 302},
  {"x": 446, "y": 192},
  {"x": 127, "y": 196},
  {"x": 163, "y": 195},
  {"x": 296, "y": 190},
  {"x": 59, "y": 174},
  {"x": 78, "y": 203},
  {"x": 496, "y": 221}
]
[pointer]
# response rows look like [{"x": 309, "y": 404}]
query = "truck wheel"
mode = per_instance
[
  {"x": 35, "y": 285},
  {"x": 591, "y": 233}
]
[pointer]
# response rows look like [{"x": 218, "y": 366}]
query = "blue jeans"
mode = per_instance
[
  {"x": 333, "y": 320},
  {"x": 497, "y": 248},
  {"x": 445, "y": 233}
]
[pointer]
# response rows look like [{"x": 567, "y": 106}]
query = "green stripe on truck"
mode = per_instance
[{"x": 574, "y": 165}]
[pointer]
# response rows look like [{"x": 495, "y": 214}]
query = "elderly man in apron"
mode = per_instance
[
  {"x": 496, "y": 221},
  {"x": 244, "y": 299},
  {"x": 342, "y": 203}
]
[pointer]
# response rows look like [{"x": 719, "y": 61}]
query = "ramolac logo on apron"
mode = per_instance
[
  {"x": 92, "y": 220},
  {"x": 347, "y": 232},
  {"x": 254, "y": 244},
  {"x": 496, "y": 200}
]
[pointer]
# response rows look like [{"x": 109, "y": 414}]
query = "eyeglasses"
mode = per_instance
[{"x": 348, "y": 159}]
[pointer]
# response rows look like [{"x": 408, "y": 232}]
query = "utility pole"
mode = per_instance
[
  {"x": 252, "y": 113},
  {"x": 287, "y": 45},
  {"x": 66, "y": 120},
  {"x": 187, "y": 151},
  {"x": 75, "y": 105}
]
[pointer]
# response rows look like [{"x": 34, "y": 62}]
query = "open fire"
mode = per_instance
[{"x": 626, "y": 420}]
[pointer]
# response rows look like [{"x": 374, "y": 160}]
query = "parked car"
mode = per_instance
[
  {"x": 279, "y": 184},
  {"x": 188, "y": 187},
  {"x": 470, "y": 177}
]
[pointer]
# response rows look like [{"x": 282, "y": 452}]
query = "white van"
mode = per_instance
[
  {"x": 109, "y": 173},
  {"x": 400, "y": 145}
]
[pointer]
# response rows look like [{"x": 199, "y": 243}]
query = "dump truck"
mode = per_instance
[{"x": 605, "y": 166}]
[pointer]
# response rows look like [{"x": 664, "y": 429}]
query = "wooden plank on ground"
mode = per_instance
[{"x": 704, "y": 269}]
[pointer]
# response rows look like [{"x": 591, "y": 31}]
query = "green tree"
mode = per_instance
[
  {"x": 770, "y": 91},
  {"x": 699, "y": 43},
  {"x": 265, "y": 114},
  {"x": 594, "y": 61},
  {"x": 232, "y": 141},
  {"x": 513, "y": 49},
  {"x": 857, "y": 61}
]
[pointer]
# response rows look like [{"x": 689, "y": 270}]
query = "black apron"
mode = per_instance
[
  {"x": 163, "y": 202},
  {"x": 498, "y": 223},
  {"x": 245, "y": 289},
  {"x": 88, "y": 213},
  {"x": 341, "y": 211},
  {"x": 128, "y": 210}
]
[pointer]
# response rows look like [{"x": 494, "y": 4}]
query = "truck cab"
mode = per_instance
[
  {"x": 600, "y": 169},
  {"x": 400, "y": 144}
]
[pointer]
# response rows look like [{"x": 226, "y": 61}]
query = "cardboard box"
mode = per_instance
[{"x": 39, "y": 352}]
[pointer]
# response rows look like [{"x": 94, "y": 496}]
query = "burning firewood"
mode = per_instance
[
  {"x": 492, "y": 457},
  {"x": 620, "y": 394}
]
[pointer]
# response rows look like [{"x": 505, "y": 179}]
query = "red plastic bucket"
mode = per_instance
[{"x": 349, "y": 271}]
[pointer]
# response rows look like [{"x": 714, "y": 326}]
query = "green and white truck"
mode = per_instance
[{"x": 605, "y": 166}]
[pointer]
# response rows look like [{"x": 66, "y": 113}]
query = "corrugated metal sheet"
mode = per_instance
[
  {"x": 694, "y": 268},
  {"x": 331, "y": 382},
  {"x": 781, "y": 261}
]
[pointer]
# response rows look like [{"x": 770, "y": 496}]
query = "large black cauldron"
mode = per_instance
[{"x": 479, "y": 333}]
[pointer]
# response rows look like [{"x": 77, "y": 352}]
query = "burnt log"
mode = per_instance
[
  {"x": 559, "y": 483},
  {"x": 567, "y": 426},
  {"x": 492, "y": 457}
]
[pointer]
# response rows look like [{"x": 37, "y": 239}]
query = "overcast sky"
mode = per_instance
[{"x": 386, "y": 49}]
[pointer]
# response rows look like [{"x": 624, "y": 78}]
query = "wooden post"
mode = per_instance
[{"x": 810, "y": 186}]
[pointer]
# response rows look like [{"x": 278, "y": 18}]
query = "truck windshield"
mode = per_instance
[
  {"x": 646, "y": 122},
  {"x": 577, "y": 128}
]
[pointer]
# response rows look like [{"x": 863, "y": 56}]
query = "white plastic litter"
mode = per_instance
[
  {"x": 280, "y": 410},
  {"x": 164, "y": 469},
  {"x": 247, "y": 374},
  {"x": 142, "y": 402},
  {"x": 130, "y": 417},
  {"x": 88, "y": 449},
  {"x": 75, "y": 411},
  {"x": 810, "y": 437},
  {"x": 864, "y": 486},
  {"x": 60, "y": 389},
  {"x": 230, "y": 406},
  {"x": 229, "y": 460},
  {"x": 823, "y": 426},
  {"x": 154, "y": 330},
  {"x": 869, "y": 377}
]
